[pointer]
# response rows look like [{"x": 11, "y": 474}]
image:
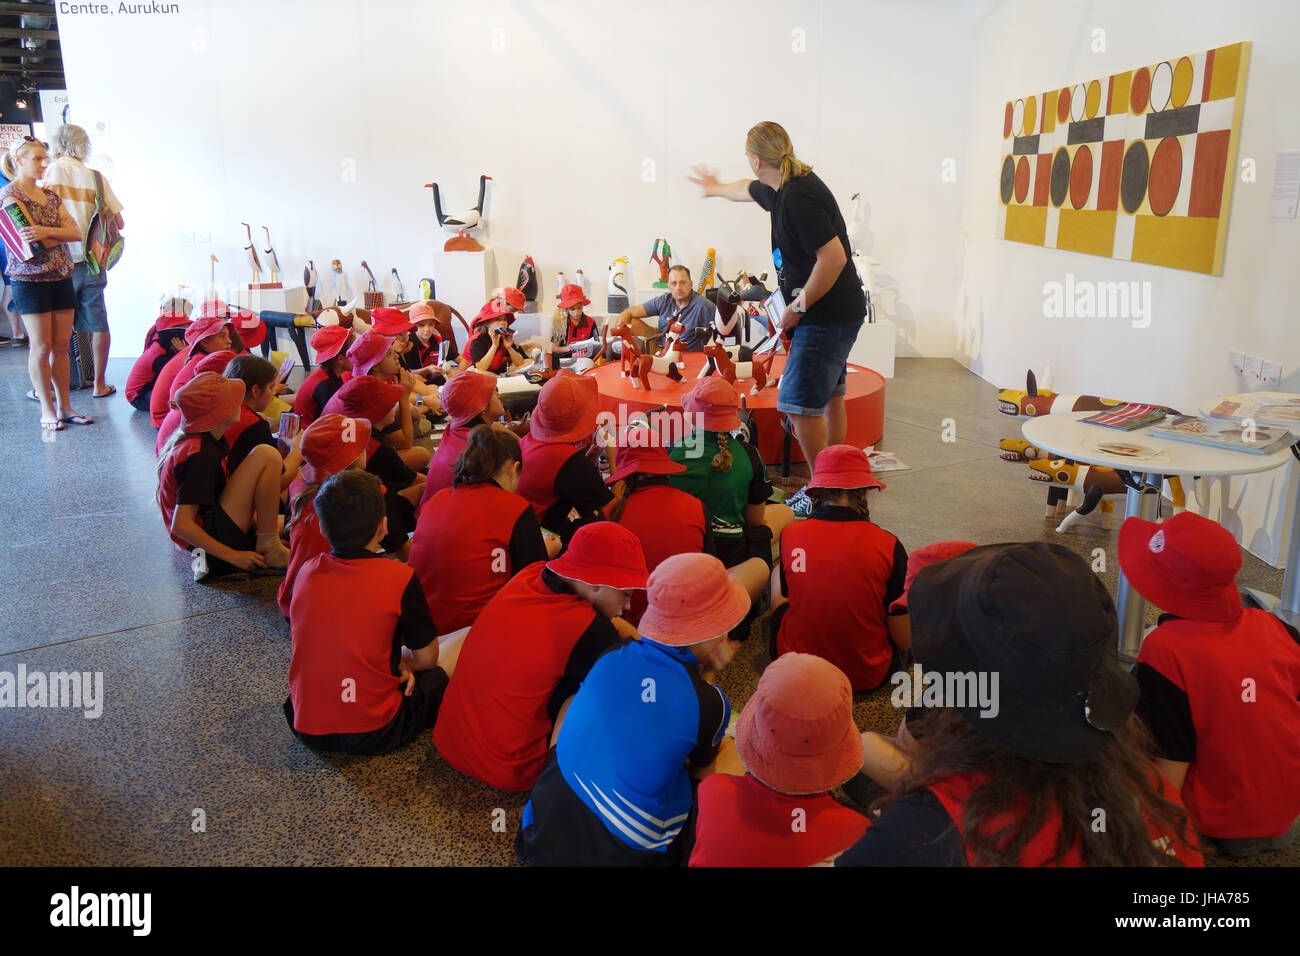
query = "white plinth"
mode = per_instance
[
  {"x": 875, "y": 347},
  {"x": 288, "y": 299},
  {"x": 464, "y": 280}
]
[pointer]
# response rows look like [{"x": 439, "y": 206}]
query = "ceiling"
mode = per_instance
[{"x": 30, "y": 58}]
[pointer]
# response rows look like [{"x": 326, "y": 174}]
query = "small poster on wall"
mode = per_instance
[{"x": 10, "y": 133}]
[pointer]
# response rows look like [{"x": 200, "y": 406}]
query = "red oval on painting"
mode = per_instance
[
  {"x": 1022, "y": 179},
  {"x": 1166, "y": 175},
  {"x": 1080, "y": 177},
  {"x": 1063, "y": 105},
  {"x": 1006, "y": 122},
  {"x": 1139, "y": 92}
]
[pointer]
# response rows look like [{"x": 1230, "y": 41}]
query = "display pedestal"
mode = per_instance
[
  {"x": 875, "y": 347},
  {"x": 464, "y": 281},
  {"x": 289, "y": 299}
]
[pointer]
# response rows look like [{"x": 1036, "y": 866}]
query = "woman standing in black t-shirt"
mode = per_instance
[{"x": 810, "y": 247}]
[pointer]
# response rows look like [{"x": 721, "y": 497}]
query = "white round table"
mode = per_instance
[{"x": 1067, "y": 435}]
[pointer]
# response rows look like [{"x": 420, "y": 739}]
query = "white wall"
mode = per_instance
[
  {"x": 1028, "y": 47},
  {"x": 233, "y": 110}
]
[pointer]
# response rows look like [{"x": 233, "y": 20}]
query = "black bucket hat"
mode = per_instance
[{"x": 1037, "y": 616}]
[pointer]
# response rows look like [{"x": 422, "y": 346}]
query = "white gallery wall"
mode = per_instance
[{"x": 324, "y": 120}]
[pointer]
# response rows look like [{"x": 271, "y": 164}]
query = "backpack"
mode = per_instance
[{"x": 104, "y": 242}]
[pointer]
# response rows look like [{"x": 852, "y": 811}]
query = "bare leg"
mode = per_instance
[
  {"x": 99, "y": 342},
  {"x": 449, "y": 646},
  {"x": 750, "y": 575},
  {"x": 41, "y": 329},
  {"x": 59, "y": 360},
  {"x": 777, "y": 517},
  {"x": 811, "y": 432},
  {"x": 559, "y": 721},
  {"x": 837, "y": 421},
  {"x": 777, "y": 598},
  {"x": 416, "y": 458},
  {"x": 253, "y": 495}
]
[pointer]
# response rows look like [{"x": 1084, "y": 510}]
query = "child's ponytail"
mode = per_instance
[
  {"x": 623, "y": 490},
  {"x": 722, "y": 461},
  {"x": 7, "y": 166},
  {"x": 560, "y": 327},
  {"x": 486, "y": 452},
  {"x": 298, "y": 507}
]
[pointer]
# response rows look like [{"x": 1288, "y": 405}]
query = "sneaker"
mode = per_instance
[{"x": 800, "y": 503}]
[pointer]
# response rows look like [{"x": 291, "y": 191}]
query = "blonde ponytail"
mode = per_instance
[
  {"x": 771, "y": 143},
  {"x": 7, "y": 166},
  {"x": 722, "y": 461}
]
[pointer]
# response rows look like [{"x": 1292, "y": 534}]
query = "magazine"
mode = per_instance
[
  {"x": 1266, "y": 408},
  {"x": 1128, "y": 417},
  {"x": 1262, "y": 440},
  {"x": 13, "y": 218}
]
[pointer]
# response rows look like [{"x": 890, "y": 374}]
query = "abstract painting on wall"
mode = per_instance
[{"x": 1136, "y": 165}]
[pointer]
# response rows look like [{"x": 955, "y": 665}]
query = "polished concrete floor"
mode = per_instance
[{"x": 194, "y": 675}]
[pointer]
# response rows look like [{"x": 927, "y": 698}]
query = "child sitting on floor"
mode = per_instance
[
  {"x": 253, "y": 429},
  {"x": 426, "y": 346},
  {"x": 1220, "y": 685},
  {"x": 368, "y": 669},
  {"x": 374, "y": 354},
  {"x": 329, "y": 445},
  {"x": 470, "y": 538},
  {"x": 840, "y": 572},
  {"x": 211, "y": 331},
  {"x": 166, "y": 337},
  {"x": 334, "y": 369},
  {"x": 216, "y": 362},
  {"x": 470, "y": 399},
  {"x": 797, "y": 739},
  {"x": 640, "y": 726},
  {"x": 395, "y": 324},
  {"x": 230, "y": 520},
  {"x": 530, "y": 649}
]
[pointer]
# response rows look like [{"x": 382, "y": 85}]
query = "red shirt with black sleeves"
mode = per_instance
[
  {"x": 1222, "y": 696},
  {"x": 563, "y": 486},
  {"x": 525, "y": 655},
  {"x": 145, "y": 371},
  {"x": 741, "y": 822},
  {"x": 246, "y": 434},
  {"x": 350, "y": 614},
  {"x": 193, "y": 474},
  {"x": 667, "y": 521},
  {"x": 841, "y": 572},
  {"x": 438, "y": 477},
  {"x": 162, "y": 388},
  {"x": 468, "y": 542},
  {"x": 306, "y": 541},
  {"x": 316, "y": 389}
]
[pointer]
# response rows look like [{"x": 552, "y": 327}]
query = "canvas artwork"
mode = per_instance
[{"x": 1137, "y": 165}]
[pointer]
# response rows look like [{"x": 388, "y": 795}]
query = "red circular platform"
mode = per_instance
[{"x": 864, "y": 401}]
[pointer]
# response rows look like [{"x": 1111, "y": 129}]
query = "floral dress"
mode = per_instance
[{"x": 48, "y": 265}]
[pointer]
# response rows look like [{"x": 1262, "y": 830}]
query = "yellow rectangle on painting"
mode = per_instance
[
  {"x": 1026, "y": 224},
  {"x": 1119, "y": 88},
  {"x": 1180, "y": 242},
  {"x": 1223, "y": 78},
  {"x": 1087, "y": 230},
  {"x": 1049, "y": 110}
]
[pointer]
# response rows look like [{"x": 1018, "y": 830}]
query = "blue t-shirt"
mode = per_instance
[
  {"x": 641, "y": 712},
  {"x": 696, "y": 315}
]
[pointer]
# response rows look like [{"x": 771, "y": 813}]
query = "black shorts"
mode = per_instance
[
  {"x": 416, "y": 714},
  {"x": 37, "y": 298},
  {"x": 221, "y": 526},
  {"x": 755, "y": 543}
]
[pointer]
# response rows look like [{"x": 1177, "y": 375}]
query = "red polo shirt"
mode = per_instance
[
  {"x": 350, "y": 615},
  {"x": 193, "y": 474},
  {"x": 1222, "y": 696},
  {"x": 162, "y": 388},
  {"x": 525, "y": 655},
  {"x": 841, "y": 572},
  {"x": 306, "y": 541},
  {"x": 145, "y": 371},
  {"x": 454, "y": 440},
  {"x": 468, "y": 542},
  {"x": 316, "y": 389},
  {"x": 667, "y": 521}
]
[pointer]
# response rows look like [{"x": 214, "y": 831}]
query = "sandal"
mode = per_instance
[
  {"x": 112, "y": 390},
  {"x": 31, "y": 395},
  {"x": 52, "y": 425},
  {"x": 20, "y": 342},
  {"x": 75, "y": 419}
]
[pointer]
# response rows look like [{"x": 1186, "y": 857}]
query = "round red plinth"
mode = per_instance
[{"x": 864, "y": 402}]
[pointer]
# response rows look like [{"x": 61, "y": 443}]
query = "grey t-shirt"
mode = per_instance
[{"x": 696, "y": 315}]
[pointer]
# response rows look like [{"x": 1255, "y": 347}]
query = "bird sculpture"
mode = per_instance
[
  {"x": 460, "y": 223},
  {"x": 340, "y": 283},
  {"x": 617, "y": 286},
  {"x": 400, "y": 291},
  {"x": 527, "y": 283},
  {"x": 272, "y": 261},
  {"x": 254, "y": 262},
  {"x": 309, "y": 281}
]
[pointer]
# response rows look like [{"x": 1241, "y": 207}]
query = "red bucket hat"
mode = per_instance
[
  {"x": 171, "y": 320},
  {"x": 329, "y": 341},
  {"x": 212, "y": 362},
  {"x": 603, "y": 554},
  {"x": 572, "y": 295},
  {"x": 510, "y": 298},
  {"x": 208, "y": 400},
  {"x": 1187, "y": 565},
  {"x": 495, "y": 309},
  {"x": 845, "y": 467},
  {"x": 639, "y": 450},
  {"x": 692, "y": 599},
  {"x": 716, "y": 400},
  {"x": 389, "y": 321},
  {"x": 467, "y": 395},
  {"x": 921, "y": 559},
  {"x": 422, "y": 311},
  {"x": 796, "y": 735},
  {"x": 368, "y": 351},
  {"x": 364, "y": 397},
  {"x": 252, "y": 330},
  {"x": 212, "y": 317},
  {"x": 331, "y": 443},
  {"x": 567, "y": 408}
]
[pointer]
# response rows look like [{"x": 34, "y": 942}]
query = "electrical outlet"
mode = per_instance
[
  {"x": 1270, "y": 372},
  {"x": 1238, "y": 359}
]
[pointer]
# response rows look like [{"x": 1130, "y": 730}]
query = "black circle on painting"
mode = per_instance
[
  {"x": 1133, "y": 176},
  {"x": 1060, "y": 184},
  {"x": 1008, "y": 178}
]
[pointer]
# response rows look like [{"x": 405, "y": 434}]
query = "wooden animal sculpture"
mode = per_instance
[
  {"x": 460, "y": 223},
  {"x": 272, "y": 261},
  {"x": 527, "y": 283},
  {"x": 428, "y": 289},
  {"x": 758, "y": 369},
  {"x": 706, "y": 273},
  {"x": 400, "y": 291},
  {"x": 1034, "y": 402},
  {"x": 732, "y": 319},
  {"x": 212, "y": 278},
  {"x": 254, "y": 263},
  {"x": 616, "y": 288},
  {"x": 637, "y": 366},
  {"x": 340, "y": 283},
  {"x": 1095, "y": 482},
  {"x": 374, "y": 299},
  {"x": 1020, "y": 449},
  {"x": 664, "y": 260},
  {"x": 309, "y": 280},
  {"x": 671, "y": 349}
]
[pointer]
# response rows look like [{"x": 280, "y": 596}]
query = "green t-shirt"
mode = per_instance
[{"x": 724, "y": 493}]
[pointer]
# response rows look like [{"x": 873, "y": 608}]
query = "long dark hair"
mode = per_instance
[
  {"x": 624, "y": 489},
  {"x": 830, "y": 496},
  {"x": 487, "y": 450},
  {"x": 1119, "y": 779}
]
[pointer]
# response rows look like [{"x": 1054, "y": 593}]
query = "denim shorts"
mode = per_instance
[
  {"x": 38, "y": 298},
  {"x": 816, "y": 367},
  {"x": 92, "y": 315}
]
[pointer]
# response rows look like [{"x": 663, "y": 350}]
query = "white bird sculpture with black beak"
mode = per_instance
[
  {"x": 461, "y": 223},
  {"x": 271, "y": 260},
  {"x": 254, "y": 263}
]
